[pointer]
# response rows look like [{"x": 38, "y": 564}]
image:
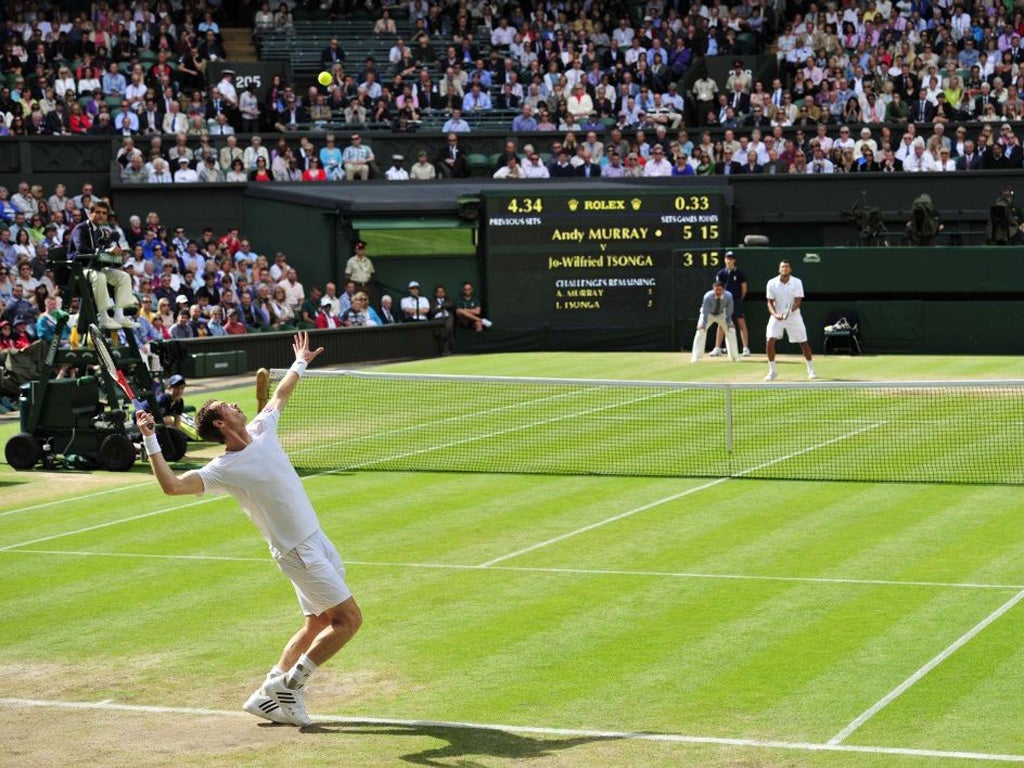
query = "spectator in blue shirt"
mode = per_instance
[
  {"x": 525, "y": 122},
  {"x": 477, "y": 100},
  {"x": 113, "y": 81},
  {"x": 456, "y": 124}
]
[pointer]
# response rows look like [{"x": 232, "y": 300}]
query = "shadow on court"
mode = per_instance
[{"x": 485, "y": 742}]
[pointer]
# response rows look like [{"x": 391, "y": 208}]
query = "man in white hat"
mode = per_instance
[
  {"x": 185, "y": 174},
  {"x": 414, "y": 306},
  {"x": 325, "y": 317},
  {"x": 226, "y": 86},
  {"x": 397, "y": 172}
]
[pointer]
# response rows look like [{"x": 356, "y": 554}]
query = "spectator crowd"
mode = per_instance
[
  {"x": 585, "y": 89},
  {"x": 859, "y": 86},
  {"x": 186, "y": 285}
]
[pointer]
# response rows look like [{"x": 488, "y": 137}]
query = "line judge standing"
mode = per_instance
[
  {"x": 715, "y": 307},
  {"x": 785, "y": 295},
  {"x": 359, "y": 269},
  {"x": 736, "y": 284}
]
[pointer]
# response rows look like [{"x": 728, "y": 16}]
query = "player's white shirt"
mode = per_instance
[
  {"x": 785, "y": 293},
  {"x": 262, "y": 479}
]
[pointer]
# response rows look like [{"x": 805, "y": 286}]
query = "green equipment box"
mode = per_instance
[{"x": 202, "y": 365}]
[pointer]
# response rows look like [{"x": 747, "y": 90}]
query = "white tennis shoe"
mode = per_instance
[
  {"x": 716, "y": 352},
  {"x": 812, "y": 375},
  {"x": 291, "y": 702},
  {"x": 772, "y": 375},
  {"x": 746, "y": 352},
  {"x": 261, "y": 705}
]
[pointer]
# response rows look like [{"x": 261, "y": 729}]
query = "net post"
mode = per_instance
[{"x": 728, "y": 418}]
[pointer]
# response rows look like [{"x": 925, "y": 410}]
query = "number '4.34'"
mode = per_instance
[{"x": 526, "y": 205}]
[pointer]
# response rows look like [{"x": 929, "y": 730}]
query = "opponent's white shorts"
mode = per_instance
[
  {"x": 316, "y": 572},
  {"x": 793, "y": 326}
]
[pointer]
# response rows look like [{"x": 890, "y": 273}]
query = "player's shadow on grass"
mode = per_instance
[{"x": 489, "y": 742}]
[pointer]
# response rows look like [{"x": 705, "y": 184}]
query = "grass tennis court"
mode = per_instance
[{"x": 529, "y": 620}]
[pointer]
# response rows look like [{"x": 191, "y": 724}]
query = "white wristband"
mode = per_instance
[
  {"x": 152, "y": 444},
  {"x": 299, "y": 367}
]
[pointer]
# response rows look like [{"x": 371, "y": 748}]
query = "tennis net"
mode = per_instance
[{"x": 935, "y": 432}]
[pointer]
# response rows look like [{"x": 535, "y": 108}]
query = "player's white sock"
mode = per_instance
[
  {"x": 810, "y": 366},
  {"x": 771, "y": 366},
  {"x": 299, "y": 674},
  {"x": 275, "y": 671}
]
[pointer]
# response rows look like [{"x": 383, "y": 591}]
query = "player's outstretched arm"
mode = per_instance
[
  {"x": 303, "y": 356},
  {"x": 171, "y": 484}
]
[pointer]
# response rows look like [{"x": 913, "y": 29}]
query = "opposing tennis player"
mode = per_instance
[
  {"x": 715, "y": 308},
  {"x": 256, "y": 471},
  {"x": 785, "y": 295}
]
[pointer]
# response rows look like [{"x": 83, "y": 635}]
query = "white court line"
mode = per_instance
[
  {"x": 105, "y": 525},
  {"x": 959, "y": 643},
  {"x": 141, "y": 555},
  {"x": 425, "y": 425},
  {"x": 674, "y": 497},
  {"x": 205, "y": 500},
  {"x": 825, "y": 444},
  {"x": 517, "y": 428},
  {"x": 600, "y": 523},
  {"x": 529, "y": 569},
  {"x": 74, "y": 499},
  {"x": 670, "y": 738}
]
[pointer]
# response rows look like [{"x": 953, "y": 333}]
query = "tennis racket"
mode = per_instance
[
  {"x": 107, "y": 359},
  {"x": 785, "y": 311}
]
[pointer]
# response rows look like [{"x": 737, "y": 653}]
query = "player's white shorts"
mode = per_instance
[
  {"x": 792, "y": 325},
  {"x": 316, "y": 572}
]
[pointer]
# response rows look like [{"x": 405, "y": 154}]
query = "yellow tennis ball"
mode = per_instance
[{"x": 325, "y": 78}]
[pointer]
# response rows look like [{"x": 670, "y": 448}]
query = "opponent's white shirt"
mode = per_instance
[
  {"x": 262, "y": 479},
  {"x": 784, "y": 293}
]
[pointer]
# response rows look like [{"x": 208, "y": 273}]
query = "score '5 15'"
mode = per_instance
[
  {"x": 701, "y": 232},
  {"x": 701, "y": 259}
]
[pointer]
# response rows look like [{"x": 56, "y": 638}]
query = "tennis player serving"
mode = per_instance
[
  {"x": 785, "y": 295},
  {"x": 256, "y": 471}
]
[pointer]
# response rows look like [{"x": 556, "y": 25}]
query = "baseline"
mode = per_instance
[{"x": 538, "y": 730}]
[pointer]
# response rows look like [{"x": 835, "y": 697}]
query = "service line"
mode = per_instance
[{"x": 681, "y": 575}]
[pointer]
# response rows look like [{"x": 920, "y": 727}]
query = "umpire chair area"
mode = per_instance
[{"x": 83, "y": 421}]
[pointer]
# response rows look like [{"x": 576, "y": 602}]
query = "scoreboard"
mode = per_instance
[{"x": 623, "y": 258}]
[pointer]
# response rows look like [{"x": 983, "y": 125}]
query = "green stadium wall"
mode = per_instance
[{"x": 965, "y": 299}]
